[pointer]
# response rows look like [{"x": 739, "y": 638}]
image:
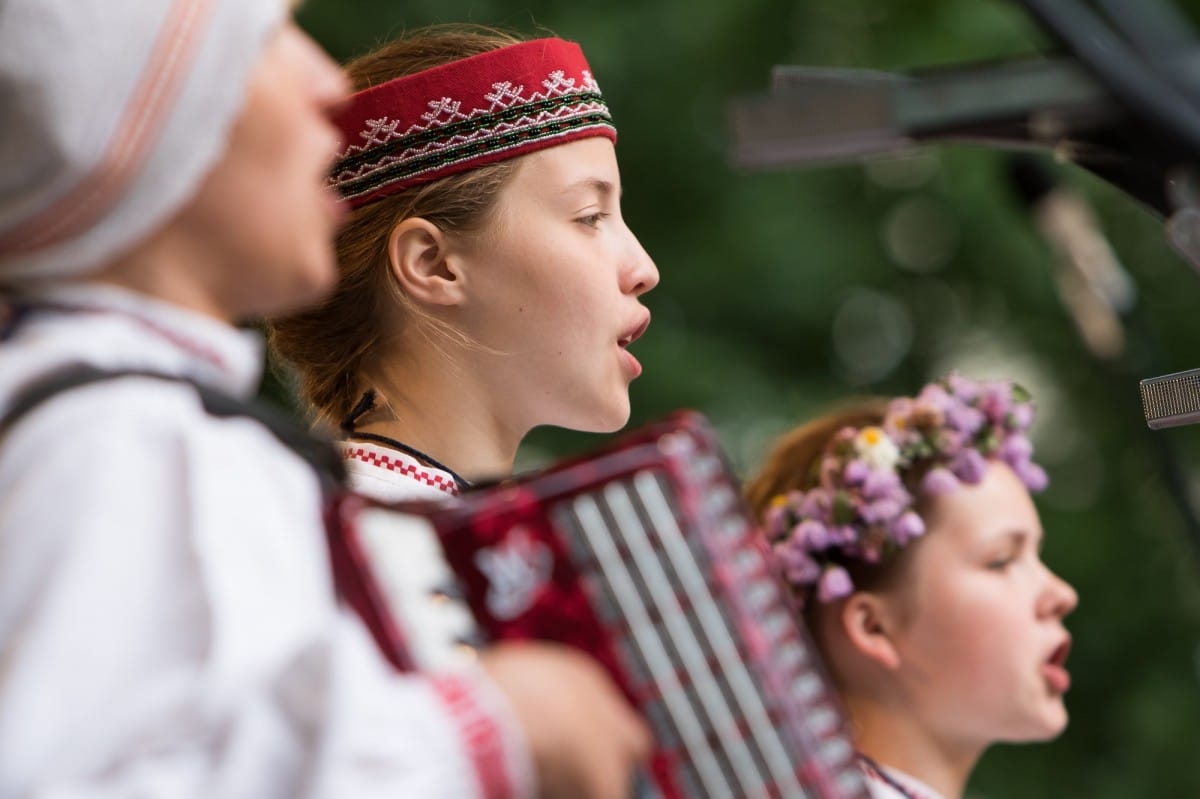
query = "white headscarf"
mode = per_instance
[{"x": 111, "y": 114}]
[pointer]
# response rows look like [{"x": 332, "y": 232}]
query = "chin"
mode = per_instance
[
  {"x": 601, "y": 419},
  {"x": 1048, "y": 727},
  {"x": 1058, "y": 724},
  {"x": 308, "y": 287}
]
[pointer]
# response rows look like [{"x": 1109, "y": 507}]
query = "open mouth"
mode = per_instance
[
  {"x": 1054, "y": 669},
  {"x": 1059, "y": 656},
  {"x": 634, "y": 333}
]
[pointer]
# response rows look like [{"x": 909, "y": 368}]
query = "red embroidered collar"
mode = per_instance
[{"x": 397, "y": 463}]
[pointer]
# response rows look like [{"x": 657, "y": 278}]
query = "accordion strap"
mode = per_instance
[{"x": 323, "y": 458}]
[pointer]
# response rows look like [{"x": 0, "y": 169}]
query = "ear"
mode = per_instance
[
  {"x": 421, "y": 262},
  {"x": 869, "y": 626}
]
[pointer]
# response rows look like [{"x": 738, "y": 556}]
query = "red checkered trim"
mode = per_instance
[
  {"x": 481, "y": 736},
  {"x": 407, "y": 469}
]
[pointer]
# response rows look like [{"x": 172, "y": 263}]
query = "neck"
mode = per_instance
[
  {"x": 893, "y": 737},
  {"x": 166, "y": 268},
  {"x": 443, "y": 413}
]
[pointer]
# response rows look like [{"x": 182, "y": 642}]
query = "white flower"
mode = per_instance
[{"x": 876, "y": 448}]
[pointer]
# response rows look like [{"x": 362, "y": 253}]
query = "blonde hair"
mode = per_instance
[{"x": 334, "y": 347}]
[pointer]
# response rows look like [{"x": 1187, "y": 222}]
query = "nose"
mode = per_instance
[
  {"x": 328, "y": 85},
  {"x": 640, "y": 274},
  {"x": 1058, "y": 598}
]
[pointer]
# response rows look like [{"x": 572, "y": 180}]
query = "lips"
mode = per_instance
[
  {"x": 634, "y": 332},
  {"x": 1058, "y": 679}
]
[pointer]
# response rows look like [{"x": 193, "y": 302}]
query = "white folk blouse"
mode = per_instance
[{"x": 168, "y": 626}]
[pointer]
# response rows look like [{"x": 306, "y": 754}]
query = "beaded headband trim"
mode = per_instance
[
  {"x": 465, "y": 114},
  {"x": 862, "y": 506}
]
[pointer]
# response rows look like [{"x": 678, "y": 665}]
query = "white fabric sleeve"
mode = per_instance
[{"x": 168, "y": 626}]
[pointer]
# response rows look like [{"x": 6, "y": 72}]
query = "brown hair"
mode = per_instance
[
  {"x": 333, "y": 347},
  {"x": 793, "y": 464}
]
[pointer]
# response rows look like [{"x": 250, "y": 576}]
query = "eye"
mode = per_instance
[
  {"x": 593, "y": 220},
  {"x": 1000, "y": 564}
]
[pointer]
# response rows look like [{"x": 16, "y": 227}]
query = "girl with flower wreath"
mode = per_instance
[{"x": 908, "y": 531}]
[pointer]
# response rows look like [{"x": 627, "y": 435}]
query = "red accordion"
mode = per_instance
[{"x": 644, "y": 556}]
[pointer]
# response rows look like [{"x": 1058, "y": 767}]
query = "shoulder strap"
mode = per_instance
[{"x": 318, "y": 453}]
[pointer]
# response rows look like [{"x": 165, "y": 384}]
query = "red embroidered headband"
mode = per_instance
[{"x": 465, "y": 114}]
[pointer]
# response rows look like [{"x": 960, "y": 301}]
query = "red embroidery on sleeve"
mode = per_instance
[{"x": 481, "y": 736}]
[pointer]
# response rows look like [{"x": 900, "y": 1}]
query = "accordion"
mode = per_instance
[{"x": 644, "y": 556}]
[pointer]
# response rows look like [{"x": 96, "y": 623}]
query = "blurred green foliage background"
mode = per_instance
[{"x": 783, "y": 292}]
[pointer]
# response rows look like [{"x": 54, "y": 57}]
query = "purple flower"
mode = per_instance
[
  {"x": 834, "y": 584},
  {"x": 812, "y": 535},
  {"x": 907, "y": 527},
  {"x": 1015, "y": 448},
  {"x": 937, "y": 481},
  {"x": 964, "y": 419},
  {"x": 969, "y": 466},
  {"x": 935, "y": 396},
  {"x": 963, "y": 389},
  {"x": 881, "y": 510},
  {"x": 950, "y": 442},
  {"x": 855, "y": 472},
  {"x": 1021, "y": 416},
  {"x": 879, "y": 484},
  {"x": 799, "y": 568},
  {"x": 996, "y": 401},
  {"x": 845, "y": 535},
  {"x": 816, "y": 504},
  {"x": 1033, "y": 476}
]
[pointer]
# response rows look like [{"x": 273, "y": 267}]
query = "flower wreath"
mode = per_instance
[{"x": 862, "y": 504}]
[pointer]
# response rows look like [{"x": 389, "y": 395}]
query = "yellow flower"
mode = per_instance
[{"x": 875, "y": 447}]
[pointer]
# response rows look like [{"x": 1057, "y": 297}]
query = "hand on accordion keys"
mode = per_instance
[
  {"x": 584, "y": 737},
  {"x": 644, "y": 560}
]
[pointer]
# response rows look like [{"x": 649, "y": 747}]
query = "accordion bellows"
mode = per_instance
[{"x": 644, "y": 556}]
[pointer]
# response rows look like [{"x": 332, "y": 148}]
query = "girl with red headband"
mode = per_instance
[
  {"x": 909, "y": 535},
  {"x": 489, "y": 283}
]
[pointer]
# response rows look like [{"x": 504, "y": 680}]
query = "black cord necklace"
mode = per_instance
[
  {"x": 366, "y": 403},
  {"x": 874, "y": 769}
]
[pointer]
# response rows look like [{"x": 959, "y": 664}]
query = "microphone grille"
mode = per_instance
[{"x": 1171, "y": 400}]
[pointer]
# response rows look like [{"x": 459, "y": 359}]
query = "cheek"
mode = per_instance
[
  {"x": 981, "y": 641},
  {"x": 962, "y": 623}
]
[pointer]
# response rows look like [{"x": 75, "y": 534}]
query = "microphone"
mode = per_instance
[
  {"x": 1091, "y": 283},
  {"x": 815, "y": 115},
  {"x": 1171, "y": 400}
]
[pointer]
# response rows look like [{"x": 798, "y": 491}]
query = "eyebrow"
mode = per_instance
[
  {"x": 1020, "y": 536},
  {"x": 602, "y": 187}
]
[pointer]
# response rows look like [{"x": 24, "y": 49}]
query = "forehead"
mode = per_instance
[
  {"x": 977, "y": 514},
  {"x": 577, "y": 167}
]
